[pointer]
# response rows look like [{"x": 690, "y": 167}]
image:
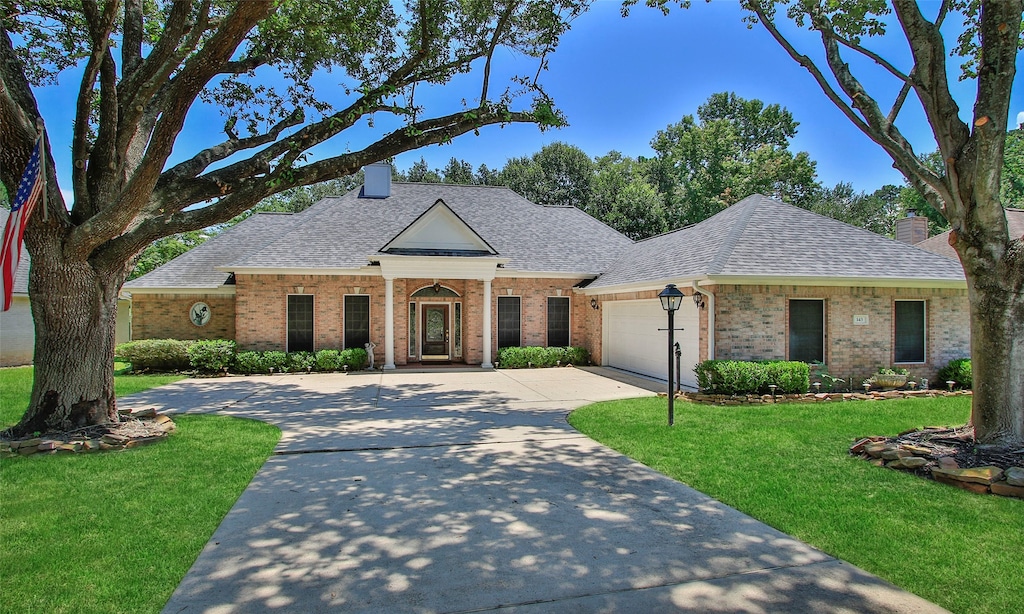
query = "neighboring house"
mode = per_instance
[
  {"x": 939, "y": 244},
  {"x": 17, "y": 331},
  {"x": 450, "y": 273}
]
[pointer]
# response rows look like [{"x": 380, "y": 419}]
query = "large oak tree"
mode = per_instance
[
  {"x": 145, "y": 64},
  {"x": 966, "y": 189}
]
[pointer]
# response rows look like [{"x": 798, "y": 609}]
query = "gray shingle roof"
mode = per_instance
[
  {"x": 759, "y": 236},
  {"x": 20, "y": 285},
  {"x": 343, "y": 232},
  {"x": 196, "y": 268}
]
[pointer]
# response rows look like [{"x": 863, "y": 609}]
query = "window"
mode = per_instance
[
  {"x": 457, "y": 333},
  {"x": 508, "y": 322},
  {"x": 909, "y": 325},
  {"x": 807, "y": 330},
  {"x": 558, "y": 321},
  {"x": 300, "y": 322},
  {"x": 412, "y": 330},
  {"x": 357, "y": 320}
]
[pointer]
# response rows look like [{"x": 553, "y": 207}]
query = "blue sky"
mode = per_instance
[{"x": 619, "y": 81}]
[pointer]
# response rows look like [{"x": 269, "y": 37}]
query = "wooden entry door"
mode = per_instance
[{"x": 436, "y": 336}]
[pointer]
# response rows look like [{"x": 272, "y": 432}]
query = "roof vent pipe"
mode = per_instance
[{"x": 376, "y": 181}]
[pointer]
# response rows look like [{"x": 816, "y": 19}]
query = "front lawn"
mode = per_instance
[
  {"x": 116, "y": 532},
  {"x": 788, "y": 466}
]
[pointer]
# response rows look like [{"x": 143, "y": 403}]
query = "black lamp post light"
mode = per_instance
[{"x": 671, "y": 298}]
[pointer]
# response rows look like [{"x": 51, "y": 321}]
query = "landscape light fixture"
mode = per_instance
[{"x": 671, "y": 298}]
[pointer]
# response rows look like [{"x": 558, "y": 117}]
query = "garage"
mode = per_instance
[{"x": 632, "y": 341}]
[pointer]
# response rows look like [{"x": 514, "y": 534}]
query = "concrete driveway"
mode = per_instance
[{"x": 469, "y": 492}]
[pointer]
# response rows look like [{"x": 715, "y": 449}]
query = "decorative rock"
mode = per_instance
[
  {"x": 913, "y": 462},
  {"x": 859, "y": 446},
  {"x": 134, "y": 443},
  {"x": 91, "y": 444},
  {"x": 948, "y": 462},
  {"x": 26, "y": 450},
  {"x": 890, "y": 453},
  {"x": 1015, "y": 476},
  {"x": 971, "y": 486},
  {"x": 26, "y": 443},
  {"x": 48, "y": 445},
  {"x": 70, "y": 447},
  {"x": 877, "y": 462},
  {"x": 875, "y": 449},
  {"x": 147, "y": 413},
  {"x": 1008, "y": 490},
  {"x": 114, "y": 440},
  {"x": 977, "y": 475},
  {"x": 916, "y": 450}
]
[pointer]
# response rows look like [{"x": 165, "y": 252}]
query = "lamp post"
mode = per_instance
[{"x": 671, "y": 298}]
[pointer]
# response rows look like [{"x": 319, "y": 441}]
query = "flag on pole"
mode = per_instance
[{"x": 29, "y": 194}]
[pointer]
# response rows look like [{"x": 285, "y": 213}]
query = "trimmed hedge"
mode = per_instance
[
  {"x": 957, "y": 370},
  {"x": 742, "y": 377},
  {"x": 536, "y": 356},
  {"x": 211, "y": 356},
  {"x": 155, "y": 354}
]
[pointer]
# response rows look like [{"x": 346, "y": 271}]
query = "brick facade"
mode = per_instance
[
  {"x": 751, "y": 321},
  {"x": 165, "y": 316}
]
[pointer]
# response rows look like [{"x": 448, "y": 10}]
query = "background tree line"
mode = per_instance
[{"x": 730, "y": 149}]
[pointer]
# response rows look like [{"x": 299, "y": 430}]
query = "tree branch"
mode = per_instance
[
  {"x": 131, "y": 43},
  {"x": 498, "y": 28}
]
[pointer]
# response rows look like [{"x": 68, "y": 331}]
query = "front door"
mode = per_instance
[{"x": 435, "y": 333}]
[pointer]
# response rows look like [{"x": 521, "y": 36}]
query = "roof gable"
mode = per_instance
[{"x": 439, "y": 231}]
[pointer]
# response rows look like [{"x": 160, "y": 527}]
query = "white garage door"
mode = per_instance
[{"x": 633, "y": 342}]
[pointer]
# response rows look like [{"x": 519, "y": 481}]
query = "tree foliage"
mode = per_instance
[
  {"x": 732, "y": 149},
  {"x": 146, "y": 65},
  {"x": 558, "y": 175}
]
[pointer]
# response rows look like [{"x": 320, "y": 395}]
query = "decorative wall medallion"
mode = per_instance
[{"x": 199, "y": 314}]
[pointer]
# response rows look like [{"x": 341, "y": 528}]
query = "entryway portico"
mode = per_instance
[{"x": 481, "y": 269}]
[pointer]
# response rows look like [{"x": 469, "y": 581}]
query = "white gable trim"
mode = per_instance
[
  {"x": 439, "y": 228},
  {"x": 447, "y": 267}
]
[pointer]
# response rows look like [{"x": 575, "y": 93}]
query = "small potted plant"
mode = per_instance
[{"x": 890, "y": 377}]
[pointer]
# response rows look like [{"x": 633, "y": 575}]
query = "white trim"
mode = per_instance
[
  {"x": 487, "y": 352},
  {"x": 369, "y": 316},
  {"x": 547, "y": 324},
  {"x": 219, "y": 291},
  {"x": 367, "y": 270},
  {"x": 498, "y": 317},
  {"x": 448, "y": 267},
  {"x": 747, "y": 280},
  {"x": 389, "y": 323},
  {"x": 286, "y": 314},
  {"x": 924, "y": 330}
]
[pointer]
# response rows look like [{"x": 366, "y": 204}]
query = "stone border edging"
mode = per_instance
[
  {"x": 811, "y": 397},
  {"x": 150, "y": 427}
]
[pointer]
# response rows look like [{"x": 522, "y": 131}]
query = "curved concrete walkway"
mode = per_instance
[{"x": 469, "y": 492}]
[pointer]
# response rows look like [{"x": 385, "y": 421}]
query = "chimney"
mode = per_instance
[
  {"x": 912, "y": 229},
  {"x": 376, "y": 181}
]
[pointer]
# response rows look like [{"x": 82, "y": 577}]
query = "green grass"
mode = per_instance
[
  {"x": 116, "y": 532},
  {"x": 788, "y": 466}
]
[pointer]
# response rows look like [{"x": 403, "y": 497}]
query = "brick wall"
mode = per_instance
[
  {"x": 165, "y": 316},
  {"x": 533, "y": 294},
  {"x": 752, "y": 324}
]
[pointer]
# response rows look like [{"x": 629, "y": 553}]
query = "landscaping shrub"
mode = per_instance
[
  {"x": 354, "y": 358},
  {"x": 248, "y": 363},
  {"x": 278, "y": 361},
  {"x": 155, "y": 354},
  {"x": 742, "y": 377},
  {"x": 959, "y": 371},
  {"x": 327, "y": 360},
  {"x": 536, "y": 356},
  {"x": 300, "y": 361},
  {"x": 211, "y": 356}
]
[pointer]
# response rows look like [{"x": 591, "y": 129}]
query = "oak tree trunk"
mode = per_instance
[
  {"x": 74, "y": 308},
  {"x": 997, "y": 348}
]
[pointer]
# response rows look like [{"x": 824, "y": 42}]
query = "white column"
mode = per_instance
[
  {"x": 389, "y": 323},
  {"x": 487, "y": 325}
]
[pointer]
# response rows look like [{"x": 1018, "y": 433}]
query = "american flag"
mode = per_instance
[{"x": 30, "y": 191}]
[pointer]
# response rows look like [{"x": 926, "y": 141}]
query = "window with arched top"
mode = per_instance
[{"x": 435, "y": 291}]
